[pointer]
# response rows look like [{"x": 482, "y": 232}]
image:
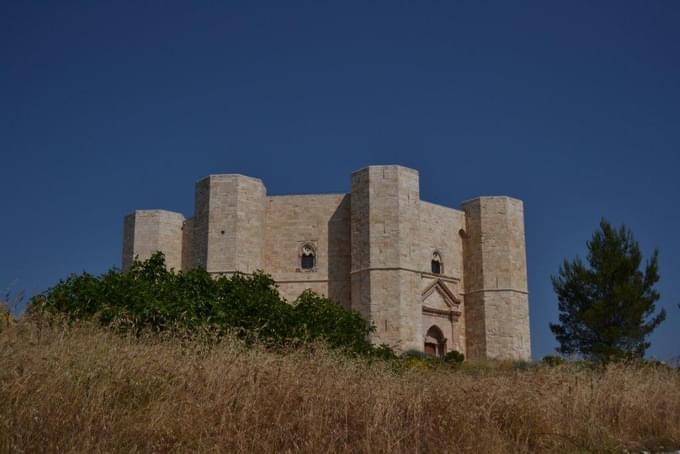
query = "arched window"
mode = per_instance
[
  {"x": 307, "y": 257},
  {"x": 437, "y": 266}
]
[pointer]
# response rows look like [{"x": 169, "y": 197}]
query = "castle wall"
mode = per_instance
[
  {"x": 229, "y": 223},
  {"x": 373, "y": 250},
  {"x": 320, "y": 220},
  {"x": 439, "y": 231},
  {"x": 385, "y": 253},
  {"x": 148, "y": 231},
  {"x": 496, "y": 295},
  {"x": 187, "y": 245}
]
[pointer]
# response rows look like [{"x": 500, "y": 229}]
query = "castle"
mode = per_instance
[{"x": 428, "y": 277}]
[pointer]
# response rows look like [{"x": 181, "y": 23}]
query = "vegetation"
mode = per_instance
[
  {"x": 148, "y": 297},
  {"x": 5, "y": 316},
  {"x": 454, "y": 357},
  {"x": 76, "y": 387},
  {"x": 552, "y": 360},
  {"x": 607, "y": 308},
  {"x": 152, "y": 360}
]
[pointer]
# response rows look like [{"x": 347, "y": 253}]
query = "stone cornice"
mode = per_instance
[{"x": 452, "y": 315}]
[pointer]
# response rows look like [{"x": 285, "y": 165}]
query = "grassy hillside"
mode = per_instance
[{"x": 82, "y": 389}]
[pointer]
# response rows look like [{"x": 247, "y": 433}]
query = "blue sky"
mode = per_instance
[{"x": 573, "y": 107}]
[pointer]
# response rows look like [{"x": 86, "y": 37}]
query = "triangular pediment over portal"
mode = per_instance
[{"x": 437, "y": 297}]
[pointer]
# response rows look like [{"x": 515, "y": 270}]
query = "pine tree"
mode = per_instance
[{"x": 607, "y": 309}]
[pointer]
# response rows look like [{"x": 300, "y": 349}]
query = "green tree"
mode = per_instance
[{"x": 607, "y": 308}]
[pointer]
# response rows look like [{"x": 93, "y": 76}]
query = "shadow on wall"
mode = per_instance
[{"x": 339, "y": 254}]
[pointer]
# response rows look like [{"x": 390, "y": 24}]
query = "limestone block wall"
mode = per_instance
[
  {"x": 385, "y": 207},
  {"x": 440, "y": 228},
  {"x": 229, "y": 223},
  {"x": 320, "y": 220},
  {"x": 496, "y": 295},
  {"x": 360, "y": 282},
  {"x": 188, "y": 245},
  {"x": 373, "y": 252},
  {"x": 440, "y": 231},
  {"x": 148, "y": 231}
]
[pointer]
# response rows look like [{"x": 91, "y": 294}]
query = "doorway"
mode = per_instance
[{"x": 435, "y": 342}]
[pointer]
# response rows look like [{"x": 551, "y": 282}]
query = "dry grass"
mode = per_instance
[{"x": 85, "y": 390}]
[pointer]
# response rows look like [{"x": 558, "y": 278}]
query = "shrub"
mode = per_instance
[
  {"x": 454, "y": 357},
  {"x": 522, "y": 365},
  {"x": 316, "y": 317},
  {"x": 415, "y": 359},
  {"x": 415, "y": 354},
  {"x": 383, "y": 352},
  {"x": 552, "y": 360},
  {"x": 148, "y": 297}
]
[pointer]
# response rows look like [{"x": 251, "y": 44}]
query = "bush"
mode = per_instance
[
  {"x": 415, "y": 354},
  {"x": 148, "y": 297},
  {"x": 421, "y": 360},
  {"x": 552, "y": 360},
  {"x": 316, "y": 317},
  {"x": 383, "y": 352},
  {"x": 454, "y": 357}
]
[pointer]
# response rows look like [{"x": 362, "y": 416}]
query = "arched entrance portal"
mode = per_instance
[{"x": 435, "y": 342}]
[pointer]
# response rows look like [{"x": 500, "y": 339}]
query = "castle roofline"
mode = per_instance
[
  {"x": 485, "y": 197},
  {"x": 377, "y": 166},
  {"x": 439, "y": 205},
  {"x": 229, "y": 175},
  {"x": 154, "y": 211},
  {"x": 318, "y": 194}
]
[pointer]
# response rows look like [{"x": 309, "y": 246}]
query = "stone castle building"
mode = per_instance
[{"x": 429, "y": 277}]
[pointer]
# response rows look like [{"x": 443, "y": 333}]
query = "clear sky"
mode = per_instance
[{"x": 574, "y": 107}]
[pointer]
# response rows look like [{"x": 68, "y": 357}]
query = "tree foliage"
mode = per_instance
[
  {"x": 149, "y": 297},
  {"x": 607, "y": 307},
  {"x": 316, "y": 317}
]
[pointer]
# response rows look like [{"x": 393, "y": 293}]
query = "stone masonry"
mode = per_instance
[{"x": 428, "y": 277}]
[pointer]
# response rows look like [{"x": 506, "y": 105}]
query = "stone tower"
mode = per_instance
[
  {"x": 148, "y": 231},
  {"x": 385, "y": 231},
  {"x": 496, "y": 295},
  {"x": 228, "y": 224}
]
